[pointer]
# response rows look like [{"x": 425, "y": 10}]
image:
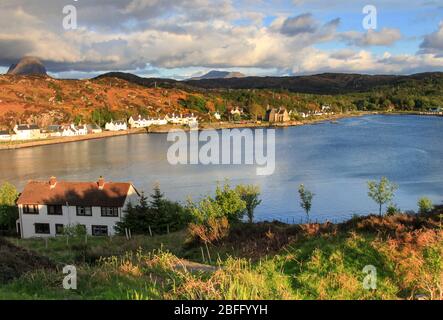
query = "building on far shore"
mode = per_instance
[
  {"x": 47, "y": 207},
  {"x": 116, "y": 126},
  {"x": 27, "y": 132},
  {"x": 93, "y": 128},
  {"x": 5, "y": 136},
  {"x": 274, "y": 115}
]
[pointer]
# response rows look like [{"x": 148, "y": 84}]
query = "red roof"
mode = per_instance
[{"x": 113, "y": 194}]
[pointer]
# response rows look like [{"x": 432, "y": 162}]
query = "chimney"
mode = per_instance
[
  {"x": 52, "y": 182},
  {"x": 101, "y": 183}
]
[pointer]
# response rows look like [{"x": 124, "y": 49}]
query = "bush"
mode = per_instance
[
  {"x": 74, "y": 230},
  {"x": 212, "y": 230},
  {"x": 392, "y": 210},
  {"x": 425, "y": 205},
  {"x": 8, "y": 209},
  {"x": 230, "y": 202},
  {"x": 212, "y": 216}
]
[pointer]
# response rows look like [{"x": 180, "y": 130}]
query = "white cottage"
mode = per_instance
[
  {"x": 5, "y": 136},
  {"x": 27, "y": 131},
  {"x": 68, "y": 131},
  {"x": 46, "y": 207},
  {"x": 81, "y": 129},
  {"x": 140, "y": 122},
  {"x": 116, "y": 126}
]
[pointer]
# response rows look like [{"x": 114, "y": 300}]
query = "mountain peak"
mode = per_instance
[
  {"x": 215, "y": 74},
  {"x": 28, "y": 66}
]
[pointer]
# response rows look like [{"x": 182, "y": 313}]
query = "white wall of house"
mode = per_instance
[
  {"x": 69, "y": 217},
  {"x": 28, "y": 134}
]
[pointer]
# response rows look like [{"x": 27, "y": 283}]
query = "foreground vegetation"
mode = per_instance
[
  {"x": 255, "y": 261},
  {"x": 206, "y": 250}
]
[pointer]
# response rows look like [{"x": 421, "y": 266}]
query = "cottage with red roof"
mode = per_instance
[{"x": 46, "y": 207}]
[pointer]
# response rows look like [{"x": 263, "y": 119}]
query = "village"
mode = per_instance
[
  {"x": 31, "y": 132},
  {"x": 26, "y": 132}
]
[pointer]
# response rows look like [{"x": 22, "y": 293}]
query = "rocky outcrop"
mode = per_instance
[{"x": 28, "y": 66}]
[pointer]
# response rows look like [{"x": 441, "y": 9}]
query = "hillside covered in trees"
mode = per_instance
[{"x": 45, "y": 100}]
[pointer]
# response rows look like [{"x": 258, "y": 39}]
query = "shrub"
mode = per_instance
[
  {"x": 74, "y": 230},
  {"x": 425, "y": 205},
  {"x": 8, "y": 209},
  {"x": 392, "y": 210},
  {"x": 230, "y": 202},
  {"x": 212, "y": 230}
]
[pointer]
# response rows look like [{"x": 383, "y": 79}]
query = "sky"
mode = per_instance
[{"x": 185, "y": 38}]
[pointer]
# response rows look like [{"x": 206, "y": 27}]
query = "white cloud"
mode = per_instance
[
  {"x": 433, "y": 43},
  {"x": 130, "y": 35},
  {"x": 384, "y": 37}
]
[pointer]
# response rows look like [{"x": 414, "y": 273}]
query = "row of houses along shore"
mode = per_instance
[
  {"x": 33, "y": 132},
  {"x": 23, "y": 132}
]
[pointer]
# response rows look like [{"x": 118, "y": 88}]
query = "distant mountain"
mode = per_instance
[
  {"x": 28, "y": 66},
  {"x": 214, "y": 74}
]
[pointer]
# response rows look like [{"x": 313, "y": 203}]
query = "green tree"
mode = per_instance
[
  {"x": 425, "y": 205},
  {"x": 306, "y": 197},
  {"x": 230, "y": 202},
  {"x": 8, "y": 208},
  {"x": 382, "y": 192},
  {"x": 157, "y": 198},
  {"x": 250, "y": 195},
  {"x": 157, "y": 215}
]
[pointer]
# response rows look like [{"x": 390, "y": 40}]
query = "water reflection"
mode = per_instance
[{"x": 334, "y": 160}]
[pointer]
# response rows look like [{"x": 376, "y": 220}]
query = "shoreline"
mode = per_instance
[
  {"x": 203, "y": 126},
  {"x": 255, "y": 125}
]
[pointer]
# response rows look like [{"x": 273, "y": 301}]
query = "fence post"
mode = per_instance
[
  {"x": 209, "y": 254},
  {"x": 203, "y": 255}
]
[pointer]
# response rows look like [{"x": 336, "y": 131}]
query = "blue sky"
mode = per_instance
[{"x": 184, "y": 38}]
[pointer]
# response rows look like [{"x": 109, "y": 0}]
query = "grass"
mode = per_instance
[
  {"x": 283, "y": 262},
  {"x": 78, "y": 249}
]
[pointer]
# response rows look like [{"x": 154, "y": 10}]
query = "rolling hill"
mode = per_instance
[{"x": 327, "y": 83}]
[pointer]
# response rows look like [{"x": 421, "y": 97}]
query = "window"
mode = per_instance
[
  {"x": 59, "y": 228},
  {"x": 42, "y": 228},
  {"x": 55, "y": 210},
  {"x": 30, "y": 209},
  {"x": 84, "y": 211},
  {"x": 109, "y": 212},
  {"x": 99, "y": 230}
]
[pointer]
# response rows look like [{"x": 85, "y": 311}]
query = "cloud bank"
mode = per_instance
[{"x": 140, "y": 35}]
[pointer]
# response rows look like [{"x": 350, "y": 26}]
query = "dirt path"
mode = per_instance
[{"x": 195, "y": 267}]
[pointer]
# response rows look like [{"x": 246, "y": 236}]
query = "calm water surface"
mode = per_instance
[{"x": 333, "y": 160}]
